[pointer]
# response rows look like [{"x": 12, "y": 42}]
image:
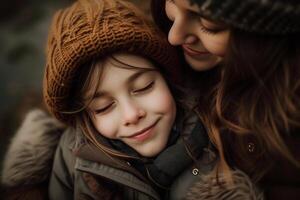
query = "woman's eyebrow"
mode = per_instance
[{"x": 192, "y": 7}]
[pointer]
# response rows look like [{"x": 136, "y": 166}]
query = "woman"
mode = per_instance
[{"x": 246, "y": 54}]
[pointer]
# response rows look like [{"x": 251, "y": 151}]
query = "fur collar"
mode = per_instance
[
  {"x": 30, "y": 154},
  {"x": 209, "y": 187}
]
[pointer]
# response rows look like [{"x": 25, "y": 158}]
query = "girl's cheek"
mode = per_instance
[
  {"x": 162, "y": 101},
  {"x": 106, "y": 126}
]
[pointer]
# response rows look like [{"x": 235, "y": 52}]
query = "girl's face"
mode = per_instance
[
  {"x": 133, "y": 105},
  {"x": 203, "y": 41}
]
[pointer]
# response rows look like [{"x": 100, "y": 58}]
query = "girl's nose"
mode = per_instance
[
  {"x": 180, "y": 33},
  {"x": 132, "y": 113}
]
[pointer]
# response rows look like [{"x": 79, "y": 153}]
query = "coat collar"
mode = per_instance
[{"x": 85, "y": 150}]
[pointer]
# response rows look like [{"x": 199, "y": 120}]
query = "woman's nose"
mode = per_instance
[
  {"x": 132, "y": 113},
  {"x": 181, "y": 32}
]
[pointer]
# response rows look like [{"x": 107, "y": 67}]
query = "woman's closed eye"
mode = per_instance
[
  {"x": 208, "y": 30},
  {"x": 210, "y": 27},
  {"x": 147, "y": 88}
]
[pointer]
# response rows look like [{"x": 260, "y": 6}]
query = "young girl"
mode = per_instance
[
  {"x": 246, "y": 54},
  {"x": 104, "y": 78}
]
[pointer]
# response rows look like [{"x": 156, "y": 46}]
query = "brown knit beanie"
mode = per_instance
[{"x": 89, "y": 29}]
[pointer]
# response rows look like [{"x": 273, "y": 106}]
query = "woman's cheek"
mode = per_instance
[{"x": 216, "y": 44}]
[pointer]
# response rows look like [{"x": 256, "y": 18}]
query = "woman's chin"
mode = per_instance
[{"x": 203, "y": 64}]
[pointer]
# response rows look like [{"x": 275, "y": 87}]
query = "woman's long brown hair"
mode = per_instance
[{"x": 256, "y": 97}]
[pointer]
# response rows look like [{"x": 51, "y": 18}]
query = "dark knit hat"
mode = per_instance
[
  {"x": 260, "y": 16},
  {"x": 89, "y": 29}
]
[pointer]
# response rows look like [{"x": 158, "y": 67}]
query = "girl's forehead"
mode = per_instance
[{"x": 129, "y": 61}]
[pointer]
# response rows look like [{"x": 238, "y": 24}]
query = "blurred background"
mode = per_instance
[{"x": 23, "y": 34}]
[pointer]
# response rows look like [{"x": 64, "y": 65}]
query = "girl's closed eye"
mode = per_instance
[
  {"x": 104, "y": 109},
  {"x": 148, "y": 87}
]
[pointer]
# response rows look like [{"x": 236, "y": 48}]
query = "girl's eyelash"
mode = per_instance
[
  {"x": 106, "y": 108},
  {"x": 101, "y": 110},
  {"x": 147, "y": 87}
]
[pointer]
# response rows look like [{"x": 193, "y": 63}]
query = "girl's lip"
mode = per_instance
[
  {"x": 143, "y": 134},
  {"x": 193, "y": 52}
]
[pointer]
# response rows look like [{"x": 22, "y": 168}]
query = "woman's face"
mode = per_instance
[
  {"x": 203, "y": 41},
  {"x": 133, "y": 105}
]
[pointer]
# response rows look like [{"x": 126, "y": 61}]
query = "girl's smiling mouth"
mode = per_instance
[{"x": 143, "y": 134}]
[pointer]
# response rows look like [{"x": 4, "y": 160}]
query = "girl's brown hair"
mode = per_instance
[{"x": 255, "y": 98}]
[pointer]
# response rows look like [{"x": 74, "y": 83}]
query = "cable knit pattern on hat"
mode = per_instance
[{"x": 90, "y": 29}]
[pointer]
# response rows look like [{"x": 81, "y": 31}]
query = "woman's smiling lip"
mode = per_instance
[
  {"x": 143, "y": 134},
  {"x": 193, "y": 52}
]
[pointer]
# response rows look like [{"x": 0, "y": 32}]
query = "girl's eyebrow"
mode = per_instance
[
  {"x": 94, "y": 96},
  {"x": 136, "y": 75}
]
